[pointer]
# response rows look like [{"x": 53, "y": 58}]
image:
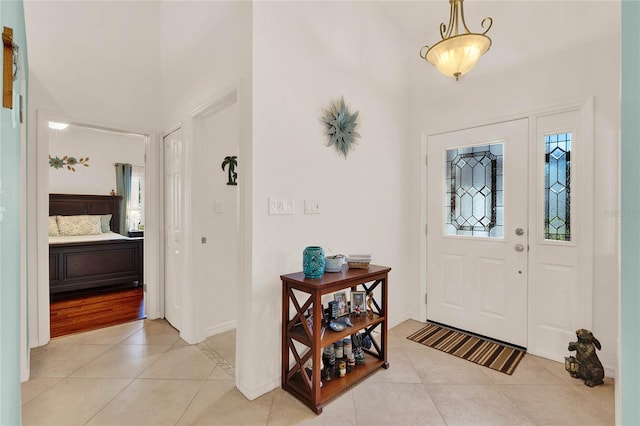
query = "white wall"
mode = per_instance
[
  {"x": 103, "y": 149},
  {"x": 307, "y": 54},
  {"x": 544, "y": 54},
  {"x": 205, "y": 51},
  {"x": 95, "y": 61},
  {"x": 206, "y": 54}
]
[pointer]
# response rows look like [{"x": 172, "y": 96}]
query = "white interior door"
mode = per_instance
[
  {"x": 477, "y": 239},
  {"x": 174, "y": 272}
]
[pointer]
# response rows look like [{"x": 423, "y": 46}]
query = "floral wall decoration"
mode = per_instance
[
  {"x": 67, "y": 162},
  {"x": 341, "y": 127}
]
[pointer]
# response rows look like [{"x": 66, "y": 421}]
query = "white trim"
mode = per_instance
[
  {"x": 399, "y": 319},
  {"x": 244, "y": 296},
  {"x": 216, "y": 104},
  {"x": 220, "y": 328},
  {"x": 575, "y": 104},
  {"x": 252, "y": 393},
  {"x": 161, "y": 310},
  {"x": 424, "y": 191},
  {"x": 41, "y": 335},
  {"x": 153, "y": 227},
  {"x": 25, "y": 355}
]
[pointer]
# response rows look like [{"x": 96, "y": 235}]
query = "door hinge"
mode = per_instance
[
  {"x": 426, "y": 230},
  {"x": 144, "y": 288},
  {"x": 425, "y": 298},
  {"x": 426, "y": 160}
]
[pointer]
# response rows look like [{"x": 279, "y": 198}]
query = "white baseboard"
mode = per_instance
[
  {"x": 25, "y": 375},
  {"x": 396, "y": 320},
  {"x": 35, "y": 342},
  {"x": 220, "y": 328},
  {"x": 257, "y": 391},
  {"x": 154, "y": 315},
  {"x": 417, "y": 316},
  {"x": 609, "y": 371}
]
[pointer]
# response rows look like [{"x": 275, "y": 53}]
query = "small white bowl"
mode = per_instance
[{"x": 333, "y": 263}]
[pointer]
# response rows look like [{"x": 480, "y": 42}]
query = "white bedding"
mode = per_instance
[{"x": 87, "y": 238}]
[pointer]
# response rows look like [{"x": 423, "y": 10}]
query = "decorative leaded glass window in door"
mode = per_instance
[
  {"x": 557, "y": 187},
  {"x": 474, "y": 194}
]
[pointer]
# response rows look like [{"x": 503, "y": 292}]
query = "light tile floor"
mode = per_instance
[{"x": 142, "y": 373}]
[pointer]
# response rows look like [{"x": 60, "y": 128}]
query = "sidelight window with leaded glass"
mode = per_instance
[
  {"x": 474, "y": 191},
  {"x": 557, "y": 183}
]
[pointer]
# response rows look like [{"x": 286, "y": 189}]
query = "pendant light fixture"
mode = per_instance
[{"x": 457, "y": 53}]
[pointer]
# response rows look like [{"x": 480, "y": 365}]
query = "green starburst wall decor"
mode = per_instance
[{"x": 341, "y": 127}]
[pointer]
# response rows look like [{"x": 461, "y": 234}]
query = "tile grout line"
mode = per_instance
[
  {"x": 132, "y": 380},
  {"x": 109, "y": 401},
  {"x": 424, "y": 386},
  {"x": 195, "y": 395}
]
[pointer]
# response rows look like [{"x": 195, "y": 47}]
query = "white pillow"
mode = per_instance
[
  {"x": 53, "y": 227},
  {"x": 105, "y": 223},
  {"x": 79, "y": 225}
]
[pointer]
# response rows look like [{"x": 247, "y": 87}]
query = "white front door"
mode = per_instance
[
  {"x": 174, "y": 273},
  {"x": 477, "y": 239}
]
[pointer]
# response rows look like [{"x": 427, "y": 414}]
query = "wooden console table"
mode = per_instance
[{"x": 305, "y": 343}]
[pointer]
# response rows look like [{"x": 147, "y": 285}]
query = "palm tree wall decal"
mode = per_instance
[{"x": 232, "y": 162}]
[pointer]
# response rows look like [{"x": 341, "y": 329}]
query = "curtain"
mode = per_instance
[{"x": 123, "y": 188}]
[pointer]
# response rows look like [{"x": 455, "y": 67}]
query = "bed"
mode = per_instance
[{"x": 81, "y": 265}]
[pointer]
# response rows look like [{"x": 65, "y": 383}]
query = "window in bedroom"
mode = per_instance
[{"x": 136, "y": 200}]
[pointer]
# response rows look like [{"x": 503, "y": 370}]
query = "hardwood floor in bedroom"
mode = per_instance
[{"x": 93, "y": 312}]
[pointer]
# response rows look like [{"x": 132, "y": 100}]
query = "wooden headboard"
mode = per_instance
[{"x": 74, "y": 204}]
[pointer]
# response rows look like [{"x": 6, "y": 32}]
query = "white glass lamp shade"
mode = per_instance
[
  {"x": 457, "y": 55},
  {"x": 57, "y": 125}
]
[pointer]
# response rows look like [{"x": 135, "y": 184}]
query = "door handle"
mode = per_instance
[
  {"x": 519, "y": 231},
  {"x": 518, "y": 247}
]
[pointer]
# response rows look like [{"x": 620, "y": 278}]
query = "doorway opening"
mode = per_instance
[
  {"x": 202, "y": 220},
  {"x": 98, "y": 278},
  {"x": 95, "y": 276}
]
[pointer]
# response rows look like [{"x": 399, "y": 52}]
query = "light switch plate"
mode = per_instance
[
  {"x": 311, "y": 207},
  {"x": 281, "y": 205}
]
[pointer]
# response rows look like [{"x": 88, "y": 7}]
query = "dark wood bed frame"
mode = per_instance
[{"x": 80, "y": 269}]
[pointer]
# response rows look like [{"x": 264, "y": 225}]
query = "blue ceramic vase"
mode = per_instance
[{"x": 313, "y": 262}]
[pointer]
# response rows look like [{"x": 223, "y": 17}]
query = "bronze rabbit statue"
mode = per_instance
[{"x": 589, "y": 367}]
